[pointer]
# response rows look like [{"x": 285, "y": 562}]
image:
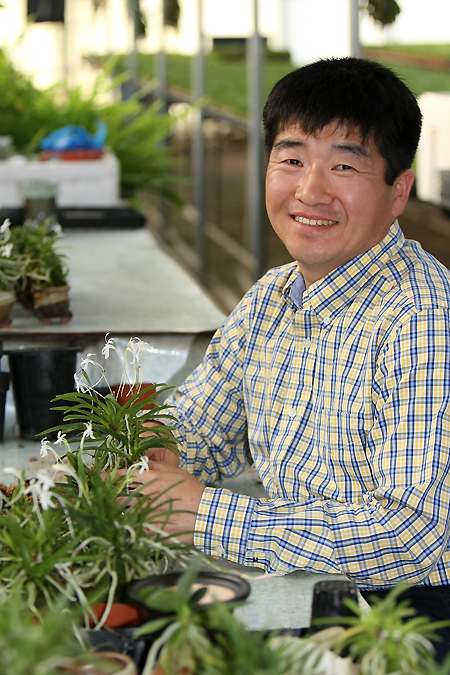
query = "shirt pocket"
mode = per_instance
[{"x": 341, "y": 441}]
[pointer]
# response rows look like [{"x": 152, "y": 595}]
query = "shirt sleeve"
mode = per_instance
[
  {"x": 211, "y": 427},
  {"x": 400, "y": 528}
]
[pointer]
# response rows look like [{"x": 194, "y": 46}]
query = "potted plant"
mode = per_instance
[
  {"x": 195, "y": 639},
  {"x": 78, "y": 530},
  {"x": 49, "y": 646},
  {"x": 12, "y": 270},
  {"x": 44, "y": 287},
  {"x": 192, "y": 637}
]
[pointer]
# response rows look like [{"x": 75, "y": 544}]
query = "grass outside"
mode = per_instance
[{"x": 226, "y": 78}]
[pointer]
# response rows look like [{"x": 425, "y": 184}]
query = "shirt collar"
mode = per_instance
[{"x": 328, "y": 296}]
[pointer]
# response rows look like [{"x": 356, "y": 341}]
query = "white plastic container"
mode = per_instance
[
  {"x": 433, "y": 154},
  {"x": 81, "y": 183}
]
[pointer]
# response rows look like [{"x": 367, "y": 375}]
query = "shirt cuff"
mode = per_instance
[{"x": 223, "y": 524}]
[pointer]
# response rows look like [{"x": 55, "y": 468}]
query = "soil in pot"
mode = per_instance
[{"x": 220, "y": 586}]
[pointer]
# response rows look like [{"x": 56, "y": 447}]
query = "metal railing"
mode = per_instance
[{"x": 222, "y": 257}]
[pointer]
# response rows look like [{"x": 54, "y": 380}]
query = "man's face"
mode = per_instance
[{"x": 327, "y": 198}]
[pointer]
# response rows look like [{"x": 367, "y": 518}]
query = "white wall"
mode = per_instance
[
  {"x": 420, "y": 22},
  {"x": 313, "y": 30}
]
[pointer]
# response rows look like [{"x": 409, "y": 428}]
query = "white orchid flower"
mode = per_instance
[
  {"x": 46, "y": 446},
  {"x": 40, "y": 488},
  {"x": 134, "y": 346},
  {"x": 57, "y": 228},
  {"x": 143, "y": 464},
  {"x": 61, "y": 438},
  {"x": 80, "y": 383},
  {"x": 6, "y": 250},
  {"x": 6, "y": 225},
  {"x": 88, "y": 433},
  {"x": 109, "y": 344},
  {"x": 87, "y": 359}
]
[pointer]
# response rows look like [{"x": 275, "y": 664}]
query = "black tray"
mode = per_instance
[{"x": 121, "y": 217}]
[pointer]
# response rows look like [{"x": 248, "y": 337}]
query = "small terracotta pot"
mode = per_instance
[
  {"x": 7, "y": 300},
  {"x": 121, "y": 615},
  {"x": 51, "y": 302},
  {"x": 124, "y": 392}
]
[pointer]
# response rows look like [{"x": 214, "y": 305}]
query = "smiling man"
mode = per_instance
[{"x": 333, "y": 371}]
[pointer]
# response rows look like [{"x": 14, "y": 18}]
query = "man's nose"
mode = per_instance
[{"x": 313, "y": 187}]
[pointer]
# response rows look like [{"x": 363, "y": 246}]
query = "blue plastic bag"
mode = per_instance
[{"x": 74, "y": 137}]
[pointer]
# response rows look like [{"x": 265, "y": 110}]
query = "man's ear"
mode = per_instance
[{"x": 402, "y": 186}]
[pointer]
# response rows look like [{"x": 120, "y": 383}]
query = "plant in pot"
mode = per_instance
[
  {"x": 12, "y": 270},
  {"x": 79, "y": 530},
  {"x": 193, "y": 637},
  {"x": 44, "y": 287},
  {"x": 49, "y": 647}
]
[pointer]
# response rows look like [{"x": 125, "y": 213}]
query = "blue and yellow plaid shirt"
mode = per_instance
[{"x": 343, "y": 403}]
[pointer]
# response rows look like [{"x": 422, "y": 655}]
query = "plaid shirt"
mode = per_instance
[{"x": 344, "y": 405}]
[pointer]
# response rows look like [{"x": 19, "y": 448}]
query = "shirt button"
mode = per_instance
[
  {"x": 306, "y": 344},
  {"x": 219, "y": 550},
  {"x": 292, "y": 412}
]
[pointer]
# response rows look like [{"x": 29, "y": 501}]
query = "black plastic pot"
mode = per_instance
[
  {"x": 239, "y": 587},
  {"x": 37, "y": 377},
  {"x": 328, "y": 601}
]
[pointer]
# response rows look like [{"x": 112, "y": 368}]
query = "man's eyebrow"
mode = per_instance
[
  {"x": 288, "y": 143},
  {"x": 353, "y": 149}
]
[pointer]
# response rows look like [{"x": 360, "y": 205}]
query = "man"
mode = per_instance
[{"x": 333, "y": 371}]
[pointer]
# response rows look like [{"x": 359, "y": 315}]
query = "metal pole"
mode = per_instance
[
  {"x": 198, "y": 146},
  {"x": 355, "y": 47},
  {"x": 131, "y": 86},
  {"x": 255, "y": 145},
  {"x": 161, "y": 63}
]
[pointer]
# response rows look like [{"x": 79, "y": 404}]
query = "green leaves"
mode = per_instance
[
  {"x": 117, "y": 428},
  {"x": 383, "y": 11}
]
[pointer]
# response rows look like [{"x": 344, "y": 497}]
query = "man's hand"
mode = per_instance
[
  {"x": 182, "y": 490},
  {"x": 167, "y": 455}
]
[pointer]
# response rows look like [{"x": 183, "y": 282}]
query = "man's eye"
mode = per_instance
[
  {"x": 345, "y": 167},
  {"x": 293, "y": 162}
]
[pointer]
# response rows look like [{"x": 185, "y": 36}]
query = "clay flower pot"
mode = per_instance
[
  {"x": 124, "y": 392},
  {"x": 121, "y": 615},
  {"x": 51, "y": 302},
  {"x": 7, "y": 300}
]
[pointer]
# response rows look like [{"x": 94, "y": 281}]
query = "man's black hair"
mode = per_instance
[{"x": 356, "y": 94}]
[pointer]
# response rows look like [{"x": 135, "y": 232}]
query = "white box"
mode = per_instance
[
  {"x": 93, "y": 183},
  {"x": 433, "y": 154}
]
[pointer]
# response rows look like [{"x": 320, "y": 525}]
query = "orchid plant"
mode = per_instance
[
  {"x": 78, "y": 530},
  {"x": 111, "y": 432},
  {"x": 13, "y": 264},
  {"x": 37, "y": 242}
]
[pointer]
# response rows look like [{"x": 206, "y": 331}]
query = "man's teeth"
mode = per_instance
[{"x": 306, "y": 221}]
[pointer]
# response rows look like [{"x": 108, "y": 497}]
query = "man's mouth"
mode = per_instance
[{"x": 313, "y": 222}]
